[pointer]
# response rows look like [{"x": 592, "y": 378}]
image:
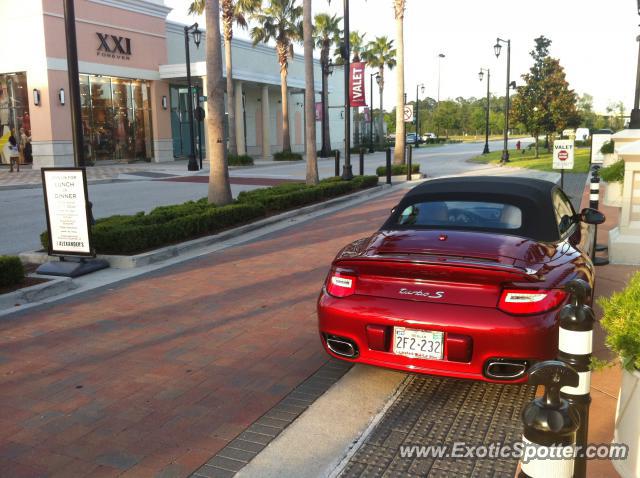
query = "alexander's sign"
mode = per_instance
[{"x": 113, "y": 46}]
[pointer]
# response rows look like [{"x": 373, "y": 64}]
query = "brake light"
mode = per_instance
[
  {"x": 341, "y": 284},
  {"x": 525, "y": 302}
]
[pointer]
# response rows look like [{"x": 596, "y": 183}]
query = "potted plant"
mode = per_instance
[
  {"x": 614, "y": 177},
  {"x": 609, "y": 153},
  {"x": 621, "y": 321}
]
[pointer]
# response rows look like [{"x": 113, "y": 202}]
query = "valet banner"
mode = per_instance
[{"x": 356, "y": 85}]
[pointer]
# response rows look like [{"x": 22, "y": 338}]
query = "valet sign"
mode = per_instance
[
  {"x": 65, "y": 200},
  {"x": 563, "y": 154}
]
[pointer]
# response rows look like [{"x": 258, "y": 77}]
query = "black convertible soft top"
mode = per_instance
[{"x": 532, "y": 196}]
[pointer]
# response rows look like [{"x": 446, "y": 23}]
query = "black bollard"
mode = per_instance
[
  {"x": 594, "y": 203},
  {"x": 361, "y": 162},
  {"x": 550, "y": 424},
  {"x": 388, "y": 151},
  {"x": 574, "y": 348},
  {"x": 337, "y": 162},
  {"x": 409, "y": 166}
]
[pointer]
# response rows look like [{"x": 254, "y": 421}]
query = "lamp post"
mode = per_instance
[
  {"x": 327, "y": 69},
  {"x": 193, "y": 164},
  {"x": 371, "y": 76},
  {"x": 420, "y": 87},
  {"x": 486, "y": 127},
  {"x": 496, "y": 48},
  {"x": 440, "y": 57},
  {"x": 347, "y": 172}
]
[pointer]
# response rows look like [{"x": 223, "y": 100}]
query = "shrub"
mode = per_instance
[
  {"x": 607, "y": 148},
  {"x": 614, "y": 172},
  {"x": 171, "y": 224},
  {"x": 240, "y": 160},
  {"x": 287, "y": 156},
  {"x": 397, "y": 169},
  {"x": 621, "y": 321},
  {"x": 11, "y": 271}
]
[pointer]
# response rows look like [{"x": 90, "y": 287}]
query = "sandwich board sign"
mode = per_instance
[
  {"x": 598, "y": 138},
  {"x": 563, "y": 154},
  {"x": 68, "y": 222}
]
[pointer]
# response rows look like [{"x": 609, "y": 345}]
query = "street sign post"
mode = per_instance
[
  {"x": 563, "y": 156},
  {"x": 408, "y": 113}
]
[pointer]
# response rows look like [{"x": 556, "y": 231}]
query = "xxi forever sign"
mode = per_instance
[{"x": 114, "y": 46}]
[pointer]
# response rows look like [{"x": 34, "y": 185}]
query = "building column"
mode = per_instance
[
  {"x": 239, "y": 107},
  {"x": 266, "y": 124},
  {"x": 160, "y": 127}
]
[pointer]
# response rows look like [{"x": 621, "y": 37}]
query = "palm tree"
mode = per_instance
[
  {"x": 356, "y": 41},
  {"x": 398, "y": 152},
  {"x": 219, "y": 189},
  {"x": 379, "y": 54},
  {"x": 327, "y": 35},
  {"x": 232, "y": 11},
  {"x": 280, "y": 21},
  {"x": 309, "y": 95}
]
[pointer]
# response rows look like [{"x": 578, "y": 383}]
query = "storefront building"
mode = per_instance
[{"x": 133, "y": 85}]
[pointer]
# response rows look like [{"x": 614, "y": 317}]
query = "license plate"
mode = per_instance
[{"x": 418, "y": 343}]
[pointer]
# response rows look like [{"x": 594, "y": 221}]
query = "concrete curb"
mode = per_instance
[
  {"x": 175, "y": 250},
  {"x": 36, "y": 293}
]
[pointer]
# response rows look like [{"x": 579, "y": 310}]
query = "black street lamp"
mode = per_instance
[
  {"x": 635, "y": 112},
  {"x": 371, "y": 76},
  {"x": 440, "y": 57},
  {"x": 77, "y": 133},
  {"x": 347, "y": 172},
  {"x": 327, "y": 69},
  {"x": 193, "y": 164},
  {"x": 486, "y": 126},
  {"x": 496, "y": 48},
  {"x": 420, "y": 87}
]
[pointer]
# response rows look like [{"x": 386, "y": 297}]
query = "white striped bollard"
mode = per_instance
[
  {"x": 594, "y": 203},
  {"x": 550, "y": 424},
  {"x": 575, "y": 343}
]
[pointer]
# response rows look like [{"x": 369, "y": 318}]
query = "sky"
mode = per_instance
[{"x": 594, "y": 40}]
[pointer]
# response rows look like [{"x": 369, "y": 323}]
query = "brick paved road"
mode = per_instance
[{"x": 157, "y": 374}]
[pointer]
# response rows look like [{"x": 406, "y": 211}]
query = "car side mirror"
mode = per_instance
[
  {"x": 394, "y": 209},
  {"x": 592, "y": 216}
]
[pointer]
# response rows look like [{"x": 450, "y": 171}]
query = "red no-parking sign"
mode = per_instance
[{"x": 563, "y": 154}]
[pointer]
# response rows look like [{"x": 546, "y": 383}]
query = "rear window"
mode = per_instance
[{"x": 462, "y": 214}]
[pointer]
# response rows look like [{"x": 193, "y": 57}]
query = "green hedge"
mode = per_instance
[
  {"x": 613, "y": 173},
  {"x": 11, "y": 271},
  {"x": 240, "y": 160},
  {"x": 397, "y": 169},
  {"x": 608, "y": 147},
  {"x": 287, "y": 156},
  {"x": 621, "y": 321},
  {"x": 171, "y": 224}
]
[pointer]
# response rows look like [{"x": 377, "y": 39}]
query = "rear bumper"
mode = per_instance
[{"x": 487, "y": 332}]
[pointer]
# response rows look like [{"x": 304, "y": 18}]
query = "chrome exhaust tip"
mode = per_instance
[
  {"x": 505, "y": 369},
  {"x": 342, "y": 346}
]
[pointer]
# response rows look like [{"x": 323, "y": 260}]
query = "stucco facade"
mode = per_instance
[{"x": 133, "y": 84}]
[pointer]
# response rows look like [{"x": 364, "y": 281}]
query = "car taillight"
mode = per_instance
[
  {"x": 341, "y": 284},
  {"x": 524, "y": 302}
]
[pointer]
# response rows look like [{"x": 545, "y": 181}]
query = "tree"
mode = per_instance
[
  {"x": 281, "y": 21},
  {"x": 232, "y": 12},
  {"x": 327, "y": 35},
  {"x": 219, "y": 188},
  {"x": 615, "y": 110},
  {"x": 309, "y": 95},
  {"x": 398, "y": 152},
  {"x": 379, "y": 54},
  {"x": 545, "y": 104}
]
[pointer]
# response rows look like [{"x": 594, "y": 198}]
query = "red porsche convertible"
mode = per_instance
[{"x": 464, "y": 279}]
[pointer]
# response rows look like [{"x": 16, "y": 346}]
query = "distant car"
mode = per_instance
[
  {"x": 464, "y": 279},
  {"x": 412, "y": 138},
  {"x": 428, "y": 136}
]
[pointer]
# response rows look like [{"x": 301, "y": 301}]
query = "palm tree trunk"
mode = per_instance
[
  {"x": 309, "y": 96},
  {"x": 399, "y": 150},
  {"x": 219, "y": 189},
  {"x": 231, "y": 107},
  {"x": 286, "y": 139}
]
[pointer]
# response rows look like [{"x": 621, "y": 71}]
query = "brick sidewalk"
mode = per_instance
[{"x": 153, "y": 376}]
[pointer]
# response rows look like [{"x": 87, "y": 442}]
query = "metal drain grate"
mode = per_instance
[{"x": 439, "y": 411}]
